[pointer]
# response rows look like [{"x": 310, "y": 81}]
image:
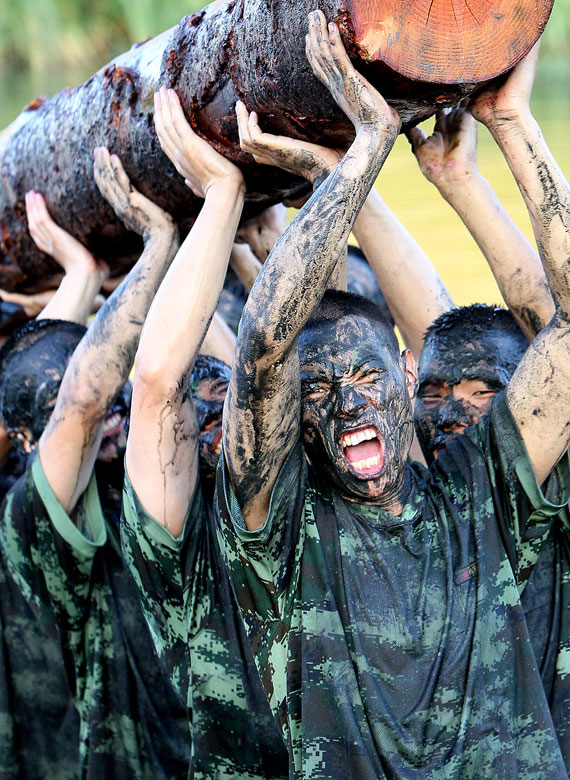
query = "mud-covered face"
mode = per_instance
[
  {"x": 209, "y": 388},
  {"x": 356, "y": 408},
  {"x": 458, "y": 378},
  {"x": 115, "y": 427}
]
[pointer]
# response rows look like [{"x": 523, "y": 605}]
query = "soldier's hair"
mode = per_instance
[
  {"x": 480, "y": 320},
  {"x": 38, "y": 347},
  {"x": 337, "y": 303}
]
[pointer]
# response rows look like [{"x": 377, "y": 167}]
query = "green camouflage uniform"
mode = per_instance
[
  {"x": 194, "y": 619},
  {"x": 546, "y": 606},
  {"x": 132, "y": 724},
  {"x": 395, "y": 646},
  {"x": 39, "y": 726}
]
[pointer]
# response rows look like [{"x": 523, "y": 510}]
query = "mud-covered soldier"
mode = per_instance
[
  {"x": 379, "y": 592},
  {"x": 471, "y": 353},
  {"x": 168, "y": 531},
  {"x": 62, "y": 544},
  {"x": 39, "y": 733},
  {"x": 73, "y": 300}
]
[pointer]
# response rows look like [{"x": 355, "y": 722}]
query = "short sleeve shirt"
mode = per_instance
[
  {"x": 546, "y": 605},
  {"x": 132, "y": 723},
  {"x": 200, "y": 638},
  {"x": 39, "y": 725},
  {"x": 396, "y": 646}
]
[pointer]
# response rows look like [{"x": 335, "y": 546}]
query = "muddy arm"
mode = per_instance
[
  {"x": 101, "y": 363},
  {"x": 262, "y": 415},
  {"x": 162, "y": 450},
  {"x": 539, "y": 392},
  {"x": 413, "y": 289},
  {"x": 448, "y": 159}
]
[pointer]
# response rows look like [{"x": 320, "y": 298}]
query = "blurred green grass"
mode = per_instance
[{"x": 48, "y": 44}]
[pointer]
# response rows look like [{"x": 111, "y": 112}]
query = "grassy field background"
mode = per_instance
[{"x": 48, "y": 44}]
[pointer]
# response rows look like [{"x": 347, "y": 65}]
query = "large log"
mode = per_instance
[{"x": 422, "y": 54}]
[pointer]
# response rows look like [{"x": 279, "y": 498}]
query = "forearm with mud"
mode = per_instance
[
  {"x": 413, "y": 290},
  {"x": 513, "y": 260},
  {"x": 539, "y": 391},
  {"x": 297, "y": 272},
  {"x": 181, "y": 312},
  {"x": 101, "y": 363},
  {"x": 261, "y": 421},
  {"x": 546, "y": 193},
  {"x": 74, "y": 298}
]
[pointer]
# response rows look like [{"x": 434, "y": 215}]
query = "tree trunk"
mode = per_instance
[{"x": 421, "y": 54}]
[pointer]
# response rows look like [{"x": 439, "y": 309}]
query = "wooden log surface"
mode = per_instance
[{"x": 421, "y": 54}]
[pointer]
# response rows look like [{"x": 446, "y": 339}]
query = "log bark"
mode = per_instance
[{"x": 422, "y": 55}]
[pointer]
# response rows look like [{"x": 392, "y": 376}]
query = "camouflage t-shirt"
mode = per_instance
[
  {"x": 395, "y": 646},
  {"x": 546, "y": 606},
  {"x": 39, "y": 725},
  {"x": 132, "y": 723},
  {"x": 194, "y": 619}
]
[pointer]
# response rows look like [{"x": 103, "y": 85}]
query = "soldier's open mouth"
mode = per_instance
[
  {"x": 364, "y": 451},
  {"x": 113, "y": 424}
]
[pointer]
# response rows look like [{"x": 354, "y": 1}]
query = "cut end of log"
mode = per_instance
[{"x": 448, "y": 41}]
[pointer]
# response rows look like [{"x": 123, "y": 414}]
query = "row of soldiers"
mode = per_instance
[{"x": 241, "y": 572}]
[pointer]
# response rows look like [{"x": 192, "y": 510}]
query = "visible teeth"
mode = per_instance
[
  {"x": 352, "y": 439},
  {"x": 111, "y": 422},
  {"x": 367, "y": 463}
]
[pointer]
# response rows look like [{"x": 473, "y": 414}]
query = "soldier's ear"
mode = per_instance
[{"x": 408, "y": 365}]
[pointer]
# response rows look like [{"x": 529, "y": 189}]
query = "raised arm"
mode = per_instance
[
  {"x": 263, "y": 231},
  {"x": 539, "y": 392},
  {"x": 162, "y": 449},
  {"x": 219, "y": 340},
  {"x": 101, "y": 363},
  {"x": 448, "y": 159},
  {"x": 410, "y": 284},
  {"x": 262, "y": 414},
  {"x": 245, "y": 264},
  {"x": 75, "y": 296}
]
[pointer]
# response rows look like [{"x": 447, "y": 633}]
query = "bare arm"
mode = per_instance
[
  {"x": 75, "y": 296},
  {"x": 263, "y": 231},
  {"x": 219, "y": 340},
  {"x": 412, "y": 287},
  {"x": 245, "y": 264},
  {"x": 162, "y": 451},
  {"x": 101, "y": 363},
  {"x": 262, "y": 415},
  {"x": 539, "y": 392},
  {"x": 448, "y": 159}
]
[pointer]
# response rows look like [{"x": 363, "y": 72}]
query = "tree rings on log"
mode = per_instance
[{"x": 447, "y": 41}]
